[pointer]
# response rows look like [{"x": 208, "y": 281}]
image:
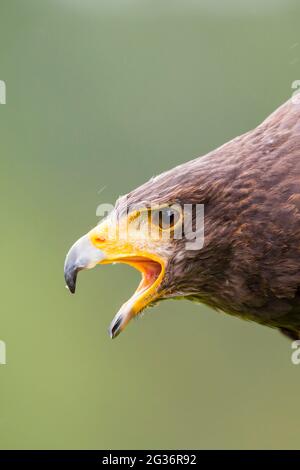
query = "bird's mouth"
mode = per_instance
[
  {"x": 84, "y": 255},
  {"x": 152, "y": 271}
]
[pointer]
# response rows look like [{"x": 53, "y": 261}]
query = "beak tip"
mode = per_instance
[
  {"x": 70, "y": 279},
  {"x": 110, "y": 334},
  {"x": 72, "y": 290},
  {"x": 115, "y": 327},
  {"x": 82, "y": 255}
]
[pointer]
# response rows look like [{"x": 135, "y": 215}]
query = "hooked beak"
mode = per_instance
[
  {"x": 82, "y": 255},
  {"x": 86, "y": 253}
]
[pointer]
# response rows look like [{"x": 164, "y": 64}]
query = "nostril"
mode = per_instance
[{"x": 99, "y": 240}]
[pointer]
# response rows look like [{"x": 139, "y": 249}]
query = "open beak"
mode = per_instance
[{"x": 86, "y": 253}]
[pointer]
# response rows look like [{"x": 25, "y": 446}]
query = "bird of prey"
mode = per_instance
[{"x": 249, "y": 262}]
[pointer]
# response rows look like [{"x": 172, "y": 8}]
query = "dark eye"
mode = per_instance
[{"x": 166, "y": 218}]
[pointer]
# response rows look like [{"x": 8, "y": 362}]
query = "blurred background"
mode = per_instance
[{"x": 101, "y": 95}]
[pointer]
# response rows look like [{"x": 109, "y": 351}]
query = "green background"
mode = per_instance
[{"x": 105, "y": 94}]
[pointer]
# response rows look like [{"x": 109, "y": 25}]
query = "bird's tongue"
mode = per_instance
[{"x": 151, "y": 271}]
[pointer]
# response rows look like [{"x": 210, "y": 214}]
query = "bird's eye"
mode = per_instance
[{"x": 165, "y": 218}]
